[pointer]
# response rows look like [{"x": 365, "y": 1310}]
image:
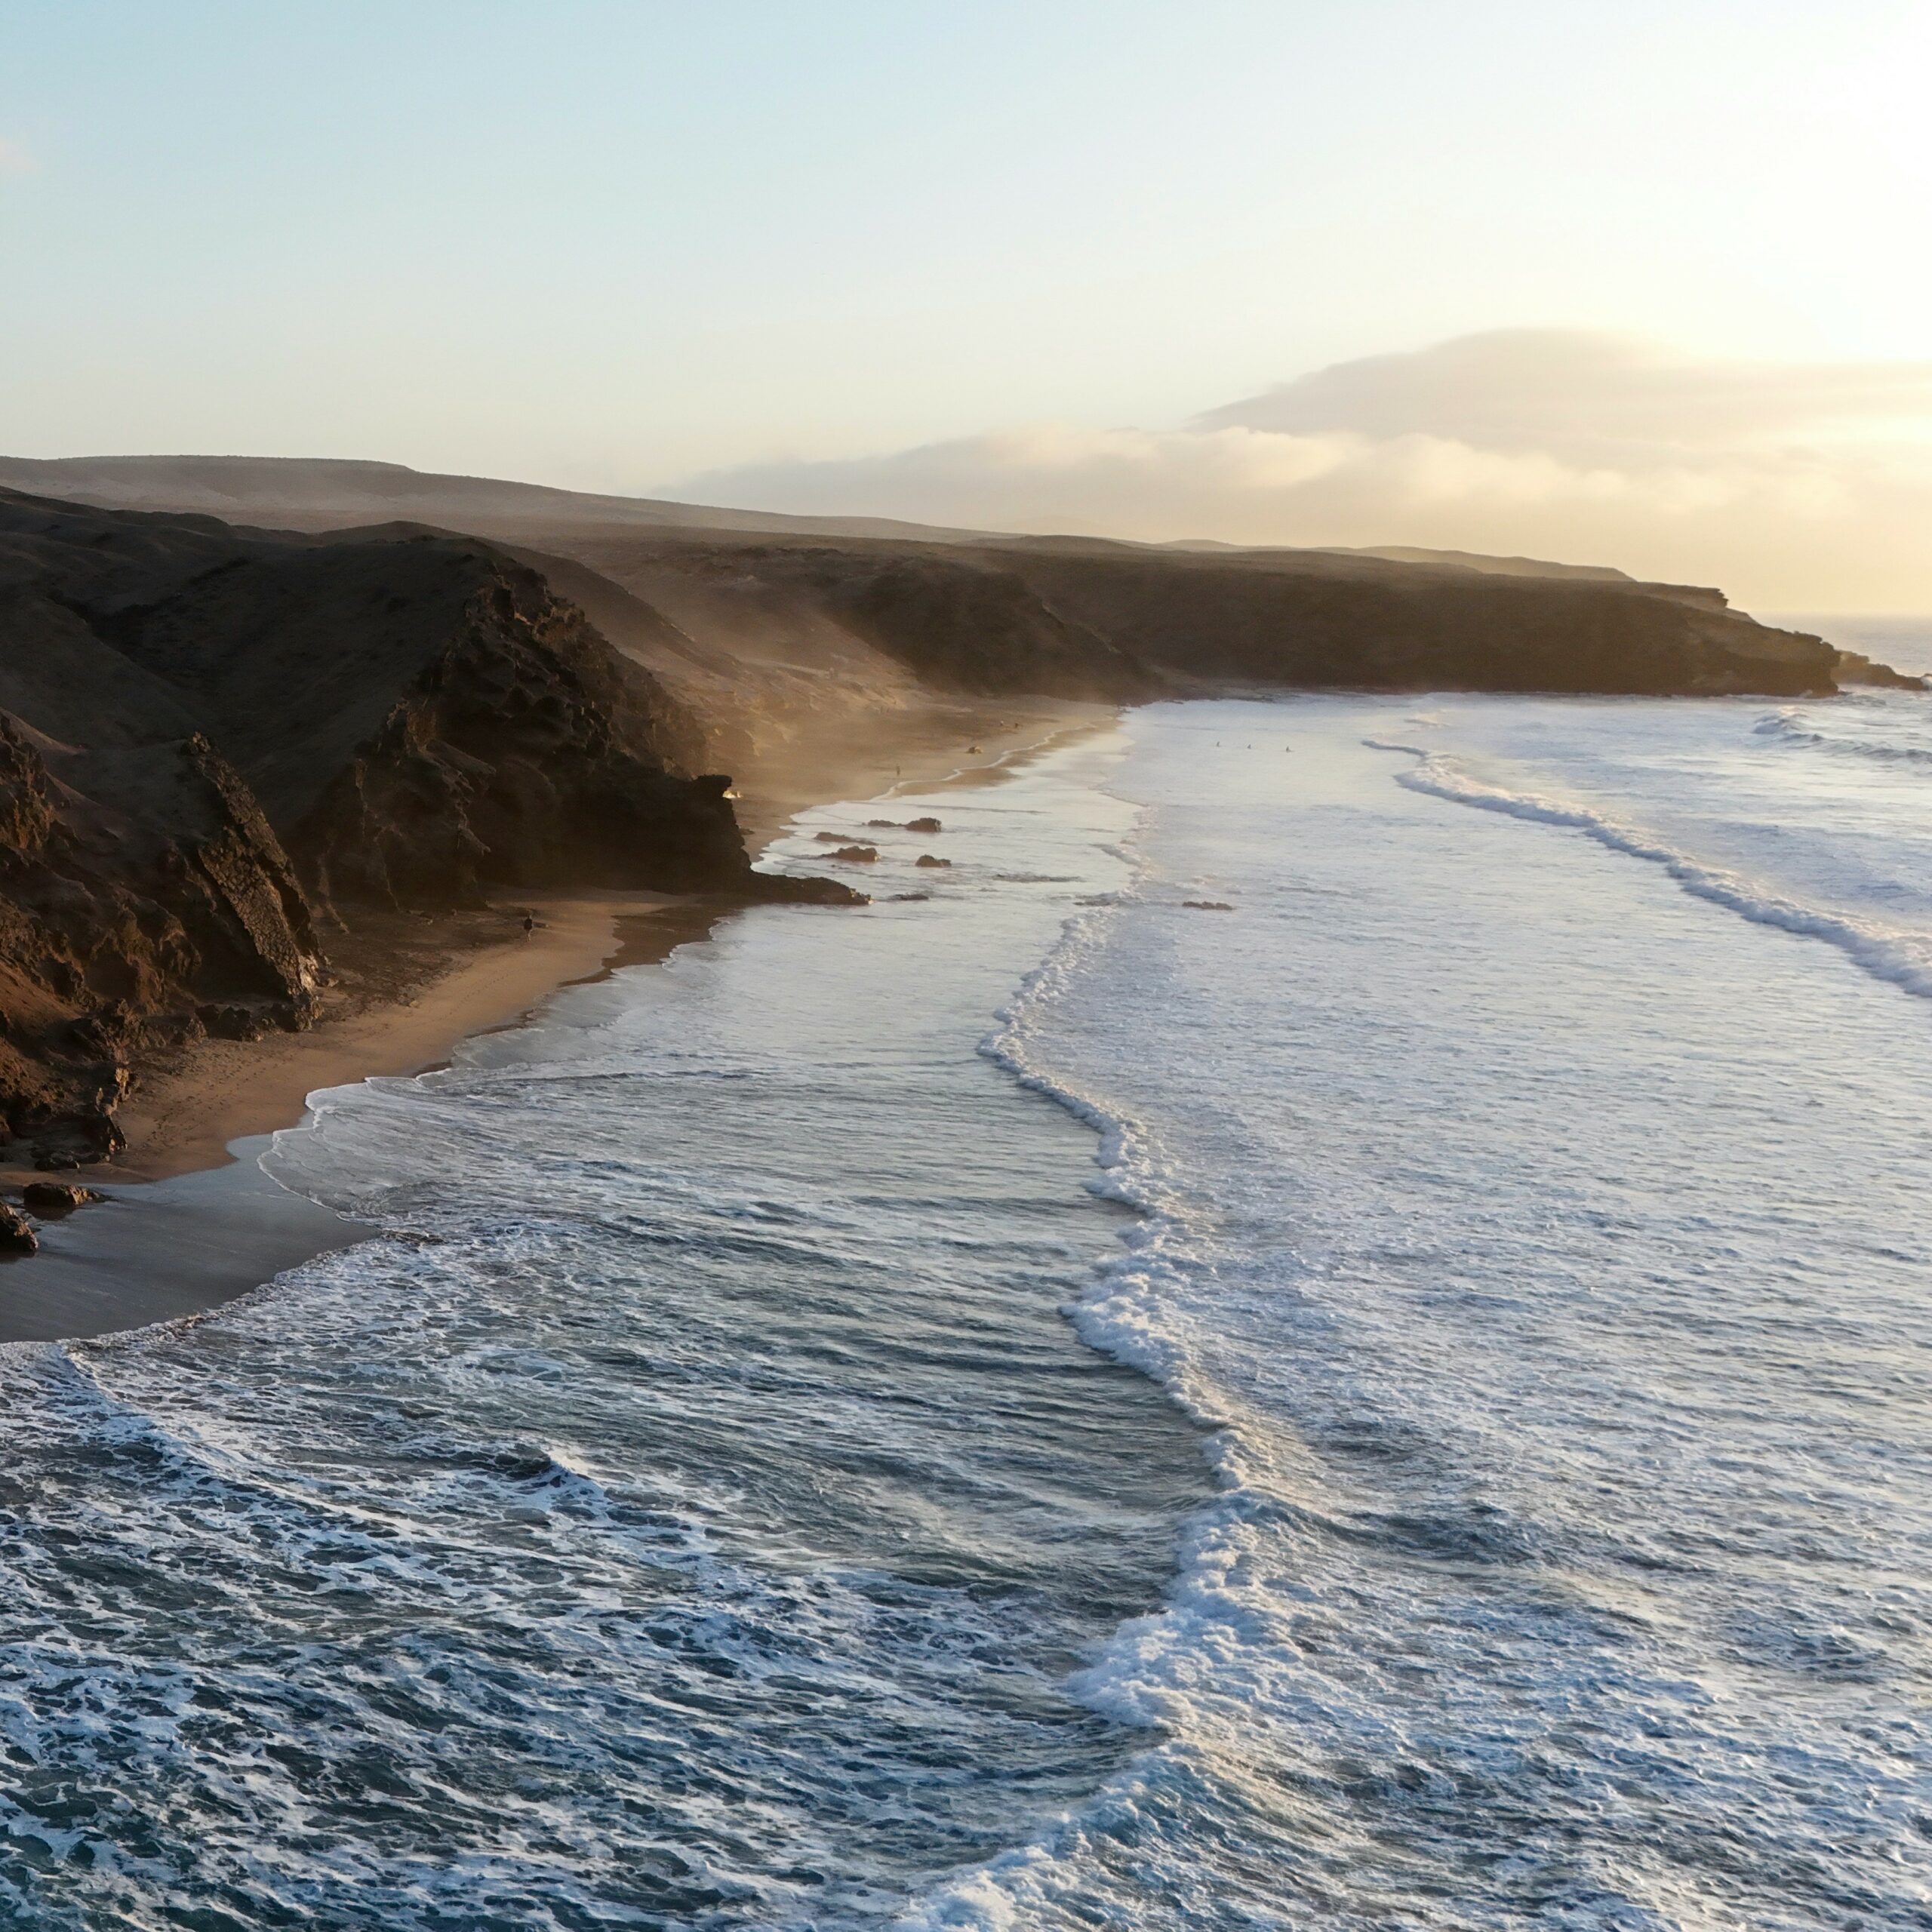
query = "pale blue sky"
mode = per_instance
[{"x": 611, "y": 243}]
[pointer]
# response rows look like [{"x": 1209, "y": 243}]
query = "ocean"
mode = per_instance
[{"x": 1331, "y": 1329}]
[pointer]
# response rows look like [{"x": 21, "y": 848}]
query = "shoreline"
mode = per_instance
[
  {"x": 229, "y": 1091},
  {"x": 191, "y": 1221}
]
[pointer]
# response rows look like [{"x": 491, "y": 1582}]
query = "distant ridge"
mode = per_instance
[
  {"x": 328, "y": 493},
  {"x": 331, "y": 493},
  {"x": 1411, "y": 553},
  {"x": 1472, "y": 560}
]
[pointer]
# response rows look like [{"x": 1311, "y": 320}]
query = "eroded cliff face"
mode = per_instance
[
  {"x": 206, "y": 733},
  {"x": 144, "y": 902},
  {"x": 967, "y": 625},
  {"x": 523, "y": 752},
  {"x": 1854, "y": 667}
]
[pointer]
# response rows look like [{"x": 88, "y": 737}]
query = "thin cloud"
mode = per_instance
[
  {"x": 1576, "y": 390},
  {"x": 1794, "y": 485}
]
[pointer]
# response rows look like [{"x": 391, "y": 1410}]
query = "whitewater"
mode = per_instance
[{"x": 1329, "y": 1329}]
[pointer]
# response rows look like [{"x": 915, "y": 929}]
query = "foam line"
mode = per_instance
[
  {"x": 1790, "y": 729},
  {"x": 1900, "y": 959}
]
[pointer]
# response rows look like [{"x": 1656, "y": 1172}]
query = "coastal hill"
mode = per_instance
[
  {"x": 775, "y": 630},
  {"x": 304, "y": 492}
]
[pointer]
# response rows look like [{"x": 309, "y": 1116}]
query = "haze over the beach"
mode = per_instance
[{"x": 1645, "y": 288}]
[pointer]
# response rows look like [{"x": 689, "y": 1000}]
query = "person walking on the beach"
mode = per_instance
[{"x": 529, "y": 924}]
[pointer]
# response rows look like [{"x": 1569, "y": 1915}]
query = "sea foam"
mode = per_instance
[{"x": 1903, "y": 958}]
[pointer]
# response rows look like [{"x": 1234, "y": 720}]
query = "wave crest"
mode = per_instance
[{"x": 1903, "y": 959}]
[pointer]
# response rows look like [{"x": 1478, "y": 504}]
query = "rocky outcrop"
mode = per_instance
[
  {"x": 419, "y": 718},
  {"x": 58, "y": 1197},
  {"x": 1854, "y": 667}
]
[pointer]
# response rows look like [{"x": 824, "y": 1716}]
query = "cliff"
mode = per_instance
[
  {"x": 1313, "y": 619},
  {"x": 207, "y": 735},
  {"x": 1854, "y": 667}
]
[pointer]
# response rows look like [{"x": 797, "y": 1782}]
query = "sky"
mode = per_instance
[{"x": 1640, "y": 284}]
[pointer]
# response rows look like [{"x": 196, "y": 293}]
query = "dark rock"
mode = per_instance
[
  {"x": 17, "y": 1233},
  {"x": 927, "y": 858},
  {"x": 50, "y": 1160},
  {"x": 1855, "y": 668},
  {"x": 907, "y": 898},
  {"x": 924, "y": 824},
  {"x": 232, "y": 1020},
  {"x": 784, "y": 889},
  {"x": 856, "y": 855},
  {"x": 135, "y": 879},
  {"x": 100, "y": 1134},
  {"x": 58, "y": 1197},
  {"x": 100, "y": 1034},
  {"x": 522, "y": 753},
  {"x": 1208, "y": 905}
]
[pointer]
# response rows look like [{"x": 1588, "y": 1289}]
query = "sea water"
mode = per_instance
[{"x": 1332, "y": 1330}]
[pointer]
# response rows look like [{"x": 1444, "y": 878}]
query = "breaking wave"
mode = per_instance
[
  {"x": 1882, "y": 743},
  {"x": 1903, "y": 959}
]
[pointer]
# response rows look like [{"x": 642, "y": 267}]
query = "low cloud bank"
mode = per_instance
[{"x": 1792, "y": 485}]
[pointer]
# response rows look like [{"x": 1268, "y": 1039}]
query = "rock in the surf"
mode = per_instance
[{"x": 58, "y": 1197}]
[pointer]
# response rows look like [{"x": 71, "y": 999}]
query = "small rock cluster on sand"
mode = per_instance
[{"x": 45, "y": 1197}]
